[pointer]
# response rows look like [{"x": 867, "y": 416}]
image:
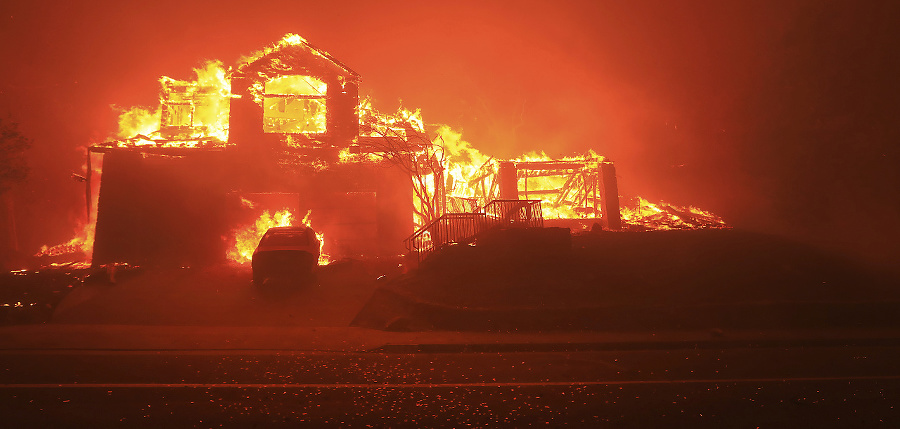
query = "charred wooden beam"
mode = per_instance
[
  {"x": 549, "y": 173},
  {"x": 551, "y": 165},
  {"x": 541, "y": 191},
  {"x": 156, "y": 150},
  {"x": 509, "y": 187},
  {"x": 87, "y": 185},
  {"x": 609, "y": 196}
]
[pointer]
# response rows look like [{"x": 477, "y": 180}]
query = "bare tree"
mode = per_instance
[
  {"x": 420, "y": 158},
  {"x": 397, "y": 141},
  {"x": 13, "y": 170}
]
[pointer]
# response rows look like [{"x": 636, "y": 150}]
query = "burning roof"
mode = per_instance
[{"x": 292, "y": 55}]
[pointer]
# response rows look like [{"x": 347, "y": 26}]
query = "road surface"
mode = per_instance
[{"x": 778, "y": 386}]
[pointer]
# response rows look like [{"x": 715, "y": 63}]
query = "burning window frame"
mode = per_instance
[{"x": 304, "y": 107}]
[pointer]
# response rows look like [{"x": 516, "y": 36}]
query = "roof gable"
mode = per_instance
[{"x": 293, "y": 55}]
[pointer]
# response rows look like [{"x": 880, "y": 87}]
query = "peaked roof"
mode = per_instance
[{"x": 293, "y": 55}]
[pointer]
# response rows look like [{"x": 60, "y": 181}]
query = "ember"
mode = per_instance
[
  {"x": 81, "y": 246},
  {"x": 667, "y": 216},
  {"x": 78, "y": 247}
]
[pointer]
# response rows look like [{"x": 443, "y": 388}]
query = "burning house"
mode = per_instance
[
  {"x": 260, "y": 140},
  {"x": 284, "y": 137}
]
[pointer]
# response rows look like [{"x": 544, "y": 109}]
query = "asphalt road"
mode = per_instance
[{"x": 821, "y": 386}]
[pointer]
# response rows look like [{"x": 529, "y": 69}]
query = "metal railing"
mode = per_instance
[
  {"x": 462, "y": 205},
  {"x": 464, "y": 227},
  {"x": 447, "y": 229},
  {"x": 514, "y": 213}
]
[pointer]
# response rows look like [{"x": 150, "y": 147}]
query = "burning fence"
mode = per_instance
[{"x": 288, "y": 120}]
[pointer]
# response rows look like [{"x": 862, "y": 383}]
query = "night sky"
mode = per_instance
[{"x": 779, "y": 116}]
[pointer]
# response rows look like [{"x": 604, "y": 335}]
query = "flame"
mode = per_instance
[
  {"x": 189, "y": 112},
  {"x": 247, "y": 238},
  {"x": 136, "y": 121},
  {"x": 194, "y": 114},
  {"x": 373, "y": 123},
  {"x": 453, "y": 169},
  {"x": 346, "y": 156},
  {"x": 413, "y": 118},
  {"x": 289, "y": 39},
  {"x": 469, "y": 174},
  {"x": 662, "y": 216},
  {"x": 462, "y": 161},
  {"x": 81, "y": 245},
  {"x": 324, "y": 259}
]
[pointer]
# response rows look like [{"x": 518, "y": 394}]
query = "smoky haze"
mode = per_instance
[{"x": 779, "y": 117}]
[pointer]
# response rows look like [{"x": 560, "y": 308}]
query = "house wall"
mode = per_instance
[
  {"x": 182, "y": 211},
  {"x": 157, "y": 210}
]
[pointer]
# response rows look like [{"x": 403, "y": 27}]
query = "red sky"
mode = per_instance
[{"x": 694, "y": 100}]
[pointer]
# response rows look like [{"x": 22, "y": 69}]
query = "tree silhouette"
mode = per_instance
[{"x": 13, "y": 144}]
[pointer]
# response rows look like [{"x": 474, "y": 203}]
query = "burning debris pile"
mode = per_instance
[
  {"x": 77, "y": 250},
  {"x": 74, "y": 246},
  {"x": 646, "y": 215},
  {"x": 288, "y": 119}
]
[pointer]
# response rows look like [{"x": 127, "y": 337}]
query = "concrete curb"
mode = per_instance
[{"x": 91, "y": 338}]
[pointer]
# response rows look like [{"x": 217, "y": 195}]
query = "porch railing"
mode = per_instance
[{"x": 464, "y": 227}]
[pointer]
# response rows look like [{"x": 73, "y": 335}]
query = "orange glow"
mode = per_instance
[
  {"x": 324, "y": 259},
  {"x": 469, "y": 174},
  {"x": 444, "y": 169},
  {"x": 189, "y": 112},
  {"x": 289, "y": 39},
  {"x": 669, "y": 216},
  {"x": 78, "y": 248},
  {"x": 373, "y": 123},
  {"x": 294, "y": 104},
  {"x": 81, "y": 246},
  {"x": 246, "y": 238},
  {"x": 345, "y": 156},
  {"x": 139, "y": 121}
]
